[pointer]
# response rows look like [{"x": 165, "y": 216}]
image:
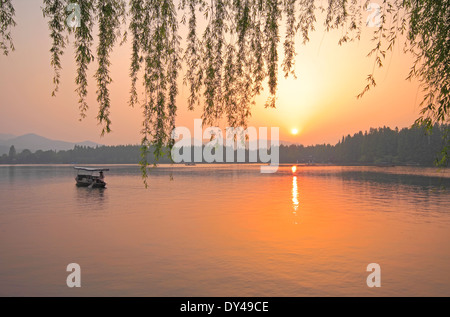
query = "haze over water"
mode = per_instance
[{"x": 226, "y": 230}]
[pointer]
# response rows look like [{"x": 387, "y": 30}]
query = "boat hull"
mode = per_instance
[
  {"x": 84, "y": 181},
  {"x": 96, "y": 185}
]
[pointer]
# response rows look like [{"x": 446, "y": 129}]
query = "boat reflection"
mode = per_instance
[{"x": 90, "y": 199}]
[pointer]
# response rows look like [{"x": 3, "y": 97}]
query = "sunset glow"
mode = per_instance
[{"x": 321, "y": 99}]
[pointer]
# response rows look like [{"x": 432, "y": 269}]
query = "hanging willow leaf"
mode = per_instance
[
  {"x": 289, "y": 42},
  {"x": 83, "y": 53},
  {"x": 194, "y": 73},
  {"x": 55, "y": 10},
  {"x": 136, "y": 27},
  {"x": 244, "y": 63},
  {"x": 7, "y": 21},
  {"x": 306, "y": 18},
  {"x": 257, "y": 64},
  {"x": 110, "y": 14},
  {"x": 273, "y": 15},
  {"x": 432, "y": 63},
  {"x": 160, "y": 45}
]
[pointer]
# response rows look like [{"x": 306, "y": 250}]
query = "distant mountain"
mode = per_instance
[
  {"x": 34, "y": 142},
  {"x": 4, "y": 136}
]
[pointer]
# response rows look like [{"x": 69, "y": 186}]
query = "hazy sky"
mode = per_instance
[{"x": 321, "y": 103}]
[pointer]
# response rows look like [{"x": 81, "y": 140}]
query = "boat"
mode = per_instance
[{"x": 90, "y": 177}]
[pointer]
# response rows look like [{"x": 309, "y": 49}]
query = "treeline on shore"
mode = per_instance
[{"x": 408, "y": 146}]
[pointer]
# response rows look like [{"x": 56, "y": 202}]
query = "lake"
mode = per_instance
[{"x": 226, "y": 230}]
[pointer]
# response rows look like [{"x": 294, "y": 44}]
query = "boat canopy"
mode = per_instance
[{"x": 89, "y": 169}]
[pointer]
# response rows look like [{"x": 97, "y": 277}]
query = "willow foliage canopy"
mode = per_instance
[{"x": 230, "y": 61}]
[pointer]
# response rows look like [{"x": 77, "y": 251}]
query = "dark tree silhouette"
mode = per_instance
[{"x": 12, "y": 152}]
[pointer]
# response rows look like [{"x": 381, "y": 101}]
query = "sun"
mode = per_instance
[{"x": 294, "y": 131}]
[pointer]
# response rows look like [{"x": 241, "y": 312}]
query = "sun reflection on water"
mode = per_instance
[{"x": 295, "y": 201}]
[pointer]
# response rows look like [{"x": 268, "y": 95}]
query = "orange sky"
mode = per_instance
[{"x": 321, "y": 103}]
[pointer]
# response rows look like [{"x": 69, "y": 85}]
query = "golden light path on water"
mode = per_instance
[{"x": 295, "y": 194}]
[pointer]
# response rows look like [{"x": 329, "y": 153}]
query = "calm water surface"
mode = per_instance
[{"x": 224, "y": 230}]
